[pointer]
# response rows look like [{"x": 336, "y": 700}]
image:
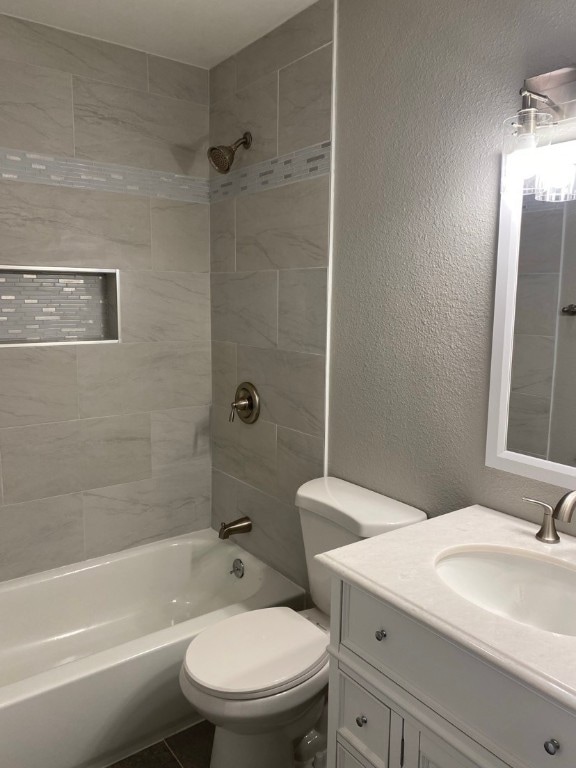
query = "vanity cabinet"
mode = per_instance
[{"x": 404, "y": 696}]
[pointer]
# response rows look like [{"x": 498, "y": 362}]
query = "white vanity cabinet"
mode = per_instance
[{"x": 404, "y": 696}]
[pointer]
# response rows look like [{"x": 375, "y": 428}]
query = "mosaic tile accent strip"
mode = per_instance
[
  {"x": 43, "y": 307},
  {"x": 296, "y": 166},
  {"x": 17, "y": 165}
]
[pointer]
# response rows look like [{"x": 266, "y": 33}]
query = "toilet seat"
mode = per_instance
[{"x": 256, "y": 654}]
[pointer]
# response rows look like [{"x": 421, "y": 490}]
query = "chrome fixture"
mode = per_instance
[
  {"x": 242, "y": 525},
  {"x": 238, "y": 568},
  {"x": 552, "y": 746},
  {"x": 222, "y": 156},
  {"x": 563, "y": 511},
  {"x": 246, "y": 403}
]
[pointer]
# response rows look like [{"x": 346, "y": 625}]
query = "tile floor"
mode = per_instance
[{"x": 188, "y": 749}]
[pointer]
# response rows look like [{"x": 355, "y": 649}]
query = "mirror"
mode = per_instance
[{"x": 532, "y": 412}]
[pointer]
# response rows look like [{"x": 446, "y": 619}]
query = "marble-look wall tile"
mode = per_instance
[
  {"x": 541, "y": 240},
  {"x": 223, "y": 80},
  {"x": 253, "y": 109},
  {"x": 180, "y": 81},
  {"x": 304, "y": 102},
  {"x": 533, "y": 365},
  {"x": 127, "y": 515},
  {"x": 245, "y": 307},
  {"x": 537, "y": 304},
  {"x": 223, "y": 236},
  {"x": 39, "y": 535},
  {"x": 224, "y": 376},
  {"x": 528, "y": 424},
  {"x": 302, "y": 310},
  {"x": 40, "y": 460},
  {"x": 291, "y": 385},
  {"x": 36, "y": 109},
  {"x": 37, "y": 385},
  {"x": 180, "y": 236},
  {"x": 286, "y": 227},
  {"x": 276, "y": 536},
  {"x": 300, "y": 458},
  {"x": 309, "y": 30},
  {"x": 30, "y": 43},
  {"x": 113, "y": 450},
  {"x": 118, "y": 125},
  {"x": 129, "y": 378},
  {"x": 56, "y": 227},
  {"x": 180, "y": 438},
  {"x": 245, "y": 451},
  {"x": 165, "y": 306}
]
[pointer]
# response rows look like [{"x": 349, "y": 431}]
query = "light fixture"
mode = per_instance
[{"x": 534, "y": 136}]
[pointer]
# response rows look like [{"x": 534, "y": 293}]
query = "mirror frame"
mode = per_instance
[{"x": 497, "y": 455}]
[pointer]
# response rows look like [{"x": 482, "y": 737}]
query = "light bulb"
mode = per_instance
[
  {"x": 526, "y": 155},
  {"x": 556, "y": 182}
]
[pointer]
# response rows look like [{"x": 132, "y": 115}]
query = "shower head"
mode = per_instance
[{"x": 222, "y": 157}]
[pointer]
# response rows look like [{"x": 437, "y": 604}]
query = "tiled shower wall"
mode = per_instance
[
  {"x": 106, "y": 446},
  {"x": 269, "y": 257}
]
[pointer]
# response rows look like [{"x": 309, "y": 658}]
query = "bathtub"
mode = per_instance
[{"x": 90, "y": 653}]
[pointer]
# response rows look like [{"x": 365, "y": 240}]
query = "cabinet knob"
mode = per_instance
[
  {"x": 552, "y": 746},
  {"x": 380, "y": 634},
  {"x": 361, "y": 720}
]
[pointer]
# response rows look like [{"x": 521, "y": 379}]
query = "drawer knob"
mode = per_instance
[
  {"x": 552, "y": 746},
  {"x": 361, "y": 720},
  {"x": 380, "y": 634}
]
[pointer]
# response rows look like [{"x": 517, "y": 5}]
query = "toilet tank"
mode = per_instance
[{"x": 334, "y": 513}]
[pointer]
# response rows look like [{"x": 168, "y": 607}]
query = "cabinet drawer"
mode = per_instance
[
  {"x": 345, "y": 760},
  {"x": 510, "y": 719},
  {"x": 364, "y": 721}
]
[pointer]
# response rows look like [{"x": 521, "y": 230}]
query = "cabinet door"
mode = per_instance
[{"x": 435, "y": 753}]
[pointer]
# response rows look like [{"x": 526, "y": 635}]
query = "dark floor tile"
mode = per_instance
[
  {"x": 156, "y": 756},
  {"x": 193, "y": 746}
]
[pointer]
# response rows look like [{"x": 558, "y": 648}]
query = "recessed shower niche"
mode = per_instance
[{"x": 58, "y": 305}]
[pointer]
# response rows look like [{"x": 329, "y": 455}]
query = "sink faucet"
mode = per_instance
[
  {"x": 563, "y": 511},
  {"x": 242, "y": 525}
]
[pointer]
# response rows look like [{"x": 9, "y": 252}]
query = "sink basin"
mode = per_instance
[{"x": 532, "y": 590}]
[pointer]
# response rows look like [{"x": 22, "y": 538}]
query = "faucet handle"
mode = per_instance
[
  {"x": 547, "y": 532},
  {"x": 242, "y": 404}
]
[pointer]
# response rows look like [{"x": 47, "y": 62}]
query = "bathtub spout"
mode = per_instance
[{"x": 242, "y": 525}]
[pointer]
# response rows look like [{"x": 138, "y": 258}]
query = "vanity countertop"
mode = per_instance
[{"x": 399, "y": 567}]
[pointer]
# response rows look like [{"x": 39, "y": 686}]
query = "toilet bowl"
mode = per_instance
[{"x": 261, "y": 677}]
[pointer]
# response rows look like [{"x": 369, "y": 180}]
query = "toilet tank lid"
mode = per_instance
[{"x": 362, "y": 512}]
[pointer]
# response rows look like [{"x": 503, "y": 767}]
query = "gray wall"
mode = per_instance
[
  {"x": 422, "y": 90},
  {"x": 269, "y": 253},
  {"x": 106, "y": 446}
]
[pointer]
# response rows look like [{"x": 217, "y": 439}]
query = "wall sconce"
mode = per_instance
[{"x": 534, "y": 137}]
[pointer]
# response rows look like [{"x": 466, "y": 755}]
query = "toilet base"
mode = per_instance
[{"x": 236, "y": 750}]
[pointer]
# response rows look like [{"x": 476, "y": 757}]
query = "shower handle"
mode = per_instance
[
  {"x": 239, "y": 405},
  {"x": 246, "y": 403}
]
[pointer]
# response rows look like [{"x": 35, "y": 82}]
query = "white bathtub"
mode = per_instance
[{"x": 90, "y": 653}]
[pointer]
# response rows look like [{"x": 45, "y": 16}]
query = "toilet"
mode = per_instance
[{"x": 261, "y": 676}]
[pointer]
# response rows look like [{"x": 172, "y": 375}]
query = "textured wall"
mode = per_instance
[
  {"x": 422, "y": 90},
  {"x": 105, "y": 446},
  {"x": 269, "y": 253}
]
